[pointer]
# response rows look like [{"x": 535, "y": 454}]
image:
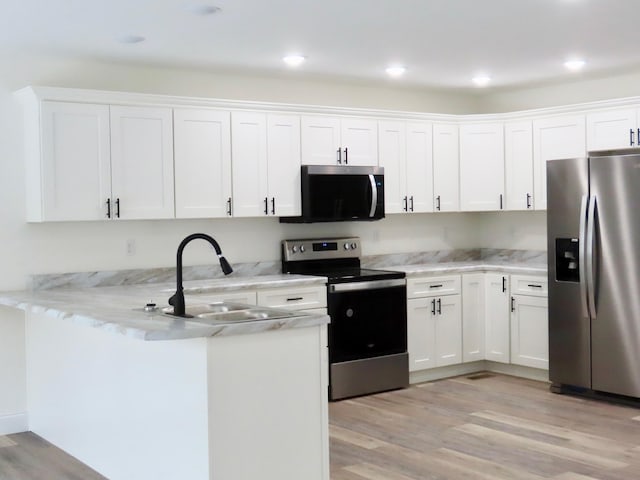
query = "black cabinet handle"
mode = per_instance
[
  {"x": 638, "y": 136},
  {"x": 117, "y": 208},
  {"x": 528, "y": 200},
  {"x": 513, "y": 304},
  {"x": 404, "y": 200},
  {"x": 500, "y": 201},
  {"x": 433, "y": 306},
  {"x": 532, "y": 285},
  {"x": 504, "y": 284},
  {"x": 266, "y": 206},
  {"x": 438, "y": 203},
  {"x": 108, "y": 208},
  {"x": 346, "y": 156},
  {"x": 294, "y": 299},
  {"x": 411, "y": 200},
  {"x": 340, "y": 155},
  {"x": 436, "y": 286},
  {"x": 439, "y": 306},
  {"x": 631, "y": 137},
  {"x": 229, "y": 206},
  {"x": 273, "y": 205}
]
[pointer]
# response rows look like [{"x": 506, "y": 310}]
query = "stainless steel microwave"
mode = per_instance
[{"x": 339, "y": 193}]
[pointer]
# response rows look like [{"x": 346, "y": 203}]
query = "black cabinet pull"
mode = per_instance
[
  {"x": 513, "y": 304},
  {"x": 411, "y": 200},
  {"x": 439, "y": 306},
  {"x": 273, "y": 205},
  {"x": 266, "y": 206},
  {"x": 294, "y": 299},
  {"x": 532, "y": 285},
  {"x": 436, "y": 286},
  {"x": 631, "y": 137},
  {"x": 108, "y": 208},
  {"x": 438, "y": 203},
  {"x": 500, "y": 201},
  {"x": 433, "y": 306},
  {"x": 339, "y": 155},
  {"x": 528, "y": 200},
  {"x": 229, "y": 206},
  {"x": 117, "y": 208},
  {"x": 504, "y": 284},
  {"x": 404, "y": 200},
  {"x": 346, "y": 156},
  {"x": 638, "y": 136}
]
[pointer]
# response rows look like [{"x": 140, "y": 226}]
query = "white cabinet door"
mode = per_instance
[
  {"x": 283, "y": 163},
  {"x": 555, "y": 138},
  {"x": 419, "y": 167},
  {"x": 518, "y": 156},
  {"x": 473, "y": 312},
  {"x": 393, "y": 157},
  {"x": 421, "y": 333},
  {"x": 76, "y": 172},
  {"x": 448, "y": 330},
  {"x": 530, "y": 332},
  {"x": 142, "y": 162},
  {"x": 320, "y": 140},
  {"x": 249, "y": 147},
  {"x": 612, "y": 129},
  {"x": 446, "y": 181},
  {"x": 202, "y": 162},
  {"x": 359, "y": 140},
  {"x": 497, "y": 317},
  {"x": 482, "y": 167}
]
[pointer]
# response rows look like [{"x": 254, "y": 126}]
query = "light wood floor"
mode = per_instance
[{"x": 494, "y": 427}]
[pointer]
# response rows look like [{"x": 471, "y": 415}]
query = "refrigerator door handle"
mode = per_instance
[
  {"x": 590, "y": 274},
  {"x": 582, "y": 255}
]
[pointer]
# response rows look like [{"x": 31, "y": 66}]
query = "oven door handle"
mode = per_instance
[
  {"x": 374, "y": 195},
  {"x": 369, "y": 285}
]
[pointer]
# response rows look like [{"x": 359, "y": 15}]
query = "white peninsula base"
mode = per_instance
[{"x": 241, "y": 407}]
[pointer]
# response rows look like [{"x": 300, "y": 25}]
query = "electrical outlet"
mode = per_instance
[{"x": 131, "y": 246}]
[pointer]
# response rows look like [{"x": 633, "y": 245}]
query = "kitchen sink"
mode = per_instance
[{"x": 223, "y": 312}]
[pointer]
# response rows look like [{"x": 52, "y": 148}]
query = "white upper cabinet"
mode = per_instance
[
  {"x": 339, "y": 141},
  {"x": 446, "y": 177},
  {"x": 482, "y": 167},
  {"x": 142, "y": 162},
  {"x": 72, "y": 180},
  {"x": 555, "y": 138},
  {"x": 266, "y": 164},
  {"x": 613, "y": 129},
  {"x": 202, "y": 156},
  {"x": 405, "y": 151},
  {"x": 283, "y": 165},
  {"x": 518, "y": 156}
]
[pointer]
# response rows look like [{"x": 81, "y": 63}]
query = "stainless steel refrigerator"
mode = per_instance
[{"x": 593, "y": 230}]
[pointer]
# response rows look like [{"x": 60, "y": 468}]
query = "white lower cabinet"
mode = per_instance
[
  {"x": 530, "y": 329},
  {"x": 473, "y": 317},
  {"x": 496, "y": 311},
  {"x": 434, "y": 326}
]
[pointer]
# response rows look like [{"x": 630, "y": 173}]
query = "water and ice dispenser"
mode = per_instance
[{"x": 567, "y": 260}]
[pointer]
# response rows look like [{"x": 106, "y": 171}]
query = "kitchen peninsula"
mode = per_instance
[{"x": 142, "y": 395}]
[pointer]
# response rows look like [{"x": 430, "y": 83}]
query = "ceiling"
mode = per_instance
[{"x": 443, "y": 43}]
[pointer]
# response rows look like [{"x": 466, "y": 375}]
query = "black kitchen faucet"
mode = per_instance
[{"x": 177, "y": 300}]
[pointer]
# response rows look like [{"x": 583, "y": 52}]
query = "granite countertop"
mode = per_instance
[
  {"x": 518, "y": 268},
  {"x": 119, "y": 309}
]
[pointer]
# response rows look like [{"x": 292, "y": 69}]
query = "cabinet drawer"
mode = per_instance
[
  {"x": 433, "y": 286},
  {"x": 529, "y": 285},
  {"x": 294, "y": 298},
  {"x": 243, "y": 296}
]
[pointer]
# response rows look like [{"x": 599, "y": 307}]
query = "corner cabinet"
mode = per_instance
[
  {"x": 405, "y": 151},
  {"x": 497, "y": 337},
  {"x": 266, "y": 164},
  {"x": 339, "y": 140},
  {"x": 481, "y": 167},
  {"x": 518, "y": 159}
]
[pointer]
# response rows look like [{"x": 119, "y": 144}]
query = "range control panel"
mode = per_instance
[{"x": 318, "y": 249}]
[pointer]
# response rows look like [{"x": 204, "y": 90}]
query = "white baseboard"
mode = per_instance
[
  {"x": 475, "y": 367},
  {"x": 13, "y": 423},
  {"x": 519, "y": 371}
]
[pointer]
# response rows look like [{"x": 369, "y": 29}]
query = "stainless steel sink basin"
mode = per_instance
[{"x": 223, "y": 312}]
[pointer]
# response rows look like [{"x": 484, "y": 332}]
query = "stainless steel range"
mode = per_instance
[{"x": 368, "y": 309}]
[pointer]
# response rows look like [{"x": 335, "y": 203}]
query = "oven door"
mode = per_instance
[{"x": 368, "y": 319}]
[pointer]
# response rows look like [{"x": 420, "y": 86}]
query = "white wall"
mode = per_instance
[{"x": 513, "y": 230}]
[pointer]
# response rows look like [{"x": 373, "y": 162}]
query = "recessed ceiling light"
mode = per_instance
[
  {"x": 396, "y": 70},
  {"x": 130, "y": 39},
  {"x": 575, "y": 64},
  {"x": 294, "y": 60},
  {"x": 203, "y": 9},
  {"x": 481, "y": 80}
]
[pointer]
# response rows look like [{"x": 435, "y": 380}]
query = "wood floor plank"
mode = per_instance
[
  {"x": 572, "y": 476},
  {"x": 6, "y": 442},
  {"x": 374, "y": 472},
  {"x": 355, "y": 438}
]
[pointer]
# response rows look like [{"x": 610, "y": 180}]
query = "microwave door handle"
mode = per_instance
[{"x": 374, "y": 195}]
